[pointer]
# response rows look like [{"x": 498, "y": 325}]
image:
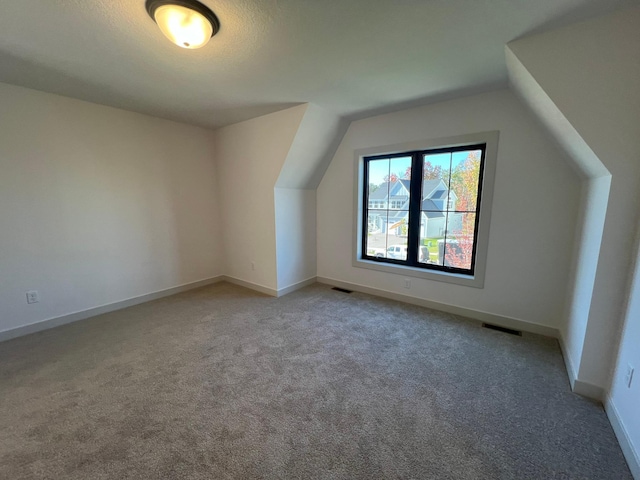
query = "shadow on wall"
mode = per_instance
[
  {"x": 429, "y": 99},
  {"x": 578, "y": 14},
  {"x": 18, "y": 71}
]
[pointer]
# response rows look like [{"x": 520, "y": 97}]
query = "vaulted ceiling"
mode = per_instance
[{"x": 353, "y": 58}]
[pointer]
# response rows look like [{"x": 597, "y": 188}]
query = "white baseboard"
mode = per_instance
[
  {"x": 296, "y": 286},
  {"x": 111, "y": 307},
  {"x": 486, "y": 317},
  {"x": 92, "y": 312},
  {"x": 630, "y": 453},
  {"x": 251, "y": 286},
  {"x": 268, "y": 290},
  {"x": 588, "y": 390},
  {"x": 571, "y": 371},
  {"x": 578, "y": 386}
]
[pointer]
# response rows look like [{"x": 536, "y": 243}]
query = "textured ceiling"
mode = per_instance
[{"x": 352, "y": 57}]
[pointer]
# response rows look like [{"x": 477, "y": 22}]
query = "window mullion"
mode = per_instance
[
  {"x": 365, "y": 203},
  {"x": 415, "y": 195}
]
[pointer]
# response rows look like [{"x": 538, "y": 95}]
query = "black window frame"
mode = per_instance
[{"x": 415, "y": 201}]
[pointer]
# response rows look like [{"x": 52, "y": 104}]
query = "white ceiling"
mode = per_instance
[{"x": 353, "y": 57}]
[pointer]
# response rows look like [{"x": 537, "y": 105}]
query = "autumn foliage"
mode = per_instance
[
  {"x": 391, "y": 178},
  {"x": 464, "y": 182},
  {"x": 429, "y": 172}
]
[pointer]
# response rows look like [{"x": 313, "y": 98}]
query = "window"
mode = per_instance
[{"x": 440, "y": 230}]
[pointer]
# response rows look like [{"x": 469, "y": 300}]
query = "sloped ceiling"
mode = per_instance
[
  {"x": 353, "y": 58},
  {"x": 316, "y": 141}
]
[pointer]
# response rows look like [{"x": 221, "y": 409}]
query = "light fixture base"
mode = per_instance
[{"x": 153, "y": 5}]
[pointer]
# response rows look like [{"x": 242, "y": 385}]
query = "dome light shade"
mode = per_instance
[{"x": 187, "y": 23}]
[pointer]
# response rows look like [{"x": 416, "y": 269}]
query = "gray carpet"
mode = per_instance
[{"x": 222, "y": 382}]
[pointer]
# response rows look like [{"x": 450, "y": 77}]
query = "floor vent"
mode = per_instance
[
  {"x": 502, "y": 329},
  {"x": 343, "y": 290}
]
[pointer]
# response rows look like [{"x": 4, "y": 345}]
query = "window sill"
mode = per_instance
[{"x": 475, "y": 281}]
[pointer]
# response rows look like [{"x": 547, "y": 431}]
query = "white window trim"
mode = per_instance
[{"x": 491, "y": 155}]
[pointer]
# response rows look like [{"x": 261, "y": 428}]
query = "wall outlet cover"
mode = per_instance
[
  {"x": 629, "y": 377},
  {"x": 32, "y": 296}
]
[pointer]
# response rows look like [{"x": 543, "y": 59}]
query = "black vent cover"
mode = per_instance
[
  {"x": 502, "y": 329},
  {"x": 343, "y": 290}
]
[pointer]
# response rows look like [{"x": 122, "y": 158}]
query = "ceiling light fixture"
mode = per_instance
[{"x": 187, "y": 23}]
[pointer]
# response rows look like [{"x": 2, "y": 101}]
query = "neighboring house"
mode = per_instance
[
  {"x": 436, "y": 200},
  {"x": 391, "y": 195},
  {"x": 389, "y": 209}
]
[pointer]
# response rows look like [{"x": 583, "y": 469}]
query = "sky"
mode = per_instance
[{"x": 378, "y": 169}]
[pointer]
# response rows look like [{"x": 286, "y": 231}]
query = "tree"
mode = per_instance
[
  {"x": 429, "y": 172},
  {"x": 391, "y": 178},
  {"x": 373, "y": 187},
  {"x": 464, "y": 182},
  {"x": 459, "y": 245}
]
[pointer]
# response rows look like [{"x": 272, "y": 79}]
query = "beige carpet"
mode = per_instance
[{"x": 222, "y": 382}]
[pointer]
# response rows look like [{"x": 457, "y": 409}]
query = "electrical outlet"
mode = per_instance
[
  {"x": 629, "y": 377},
  {"x": 407, "y": 283},
  {"x": 32, "y": 296},
  {"x": 253, "y": 266}
]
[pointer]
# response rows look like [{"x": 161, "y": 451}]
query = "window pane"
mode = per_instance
[
  {"x": 387, "y": 217},
  {"x": 378, "y": 192},
  {"x": 376, "y": 236},
  {"x": 400, "y": 168},
  {"x": 432, "y": 230},
  {"x": 435, "y": 191},
  {"x": 458, "y": 246},
  {"x": 378, "y": 188},
  {"x": 433, "y": 217},
  {"x": 429, "y": 251},
  {"x": 436, "y": 167},
  {"x": 465, "y": 178},
  {"x": 397, "y": 230}
]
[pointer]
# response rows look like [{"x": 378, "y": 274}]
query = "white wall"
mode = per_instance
[
  {"x": 98, "y": 205},
  {"x": 295, "y": 235},
  {"x": 588, "y": 71},
  {"x": 533, "y": 214},
  {"x": 313, "y": 147},
  {"x": 625, "y": 400},
  {"x": 596, "y": 187},
  {"x": 590, "y": 229},
  {"x": 250, "y": 156}
]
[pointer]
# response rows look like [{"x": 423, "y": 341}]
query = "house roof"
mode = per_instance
[
  {"x": 438, "y": 194},
  {"x": 380, "y": 193},
  {"x": 405, "y": 183},
  {"x": 433, "y": 189},
  {"x": 428, "y": 187},
  {"x": 431, "y": 209},
  {"x": 383, "y": 189}
]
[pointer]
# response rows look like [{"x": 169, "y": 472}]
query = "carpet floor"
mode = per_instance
[{"x": 225, "y": 383}]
